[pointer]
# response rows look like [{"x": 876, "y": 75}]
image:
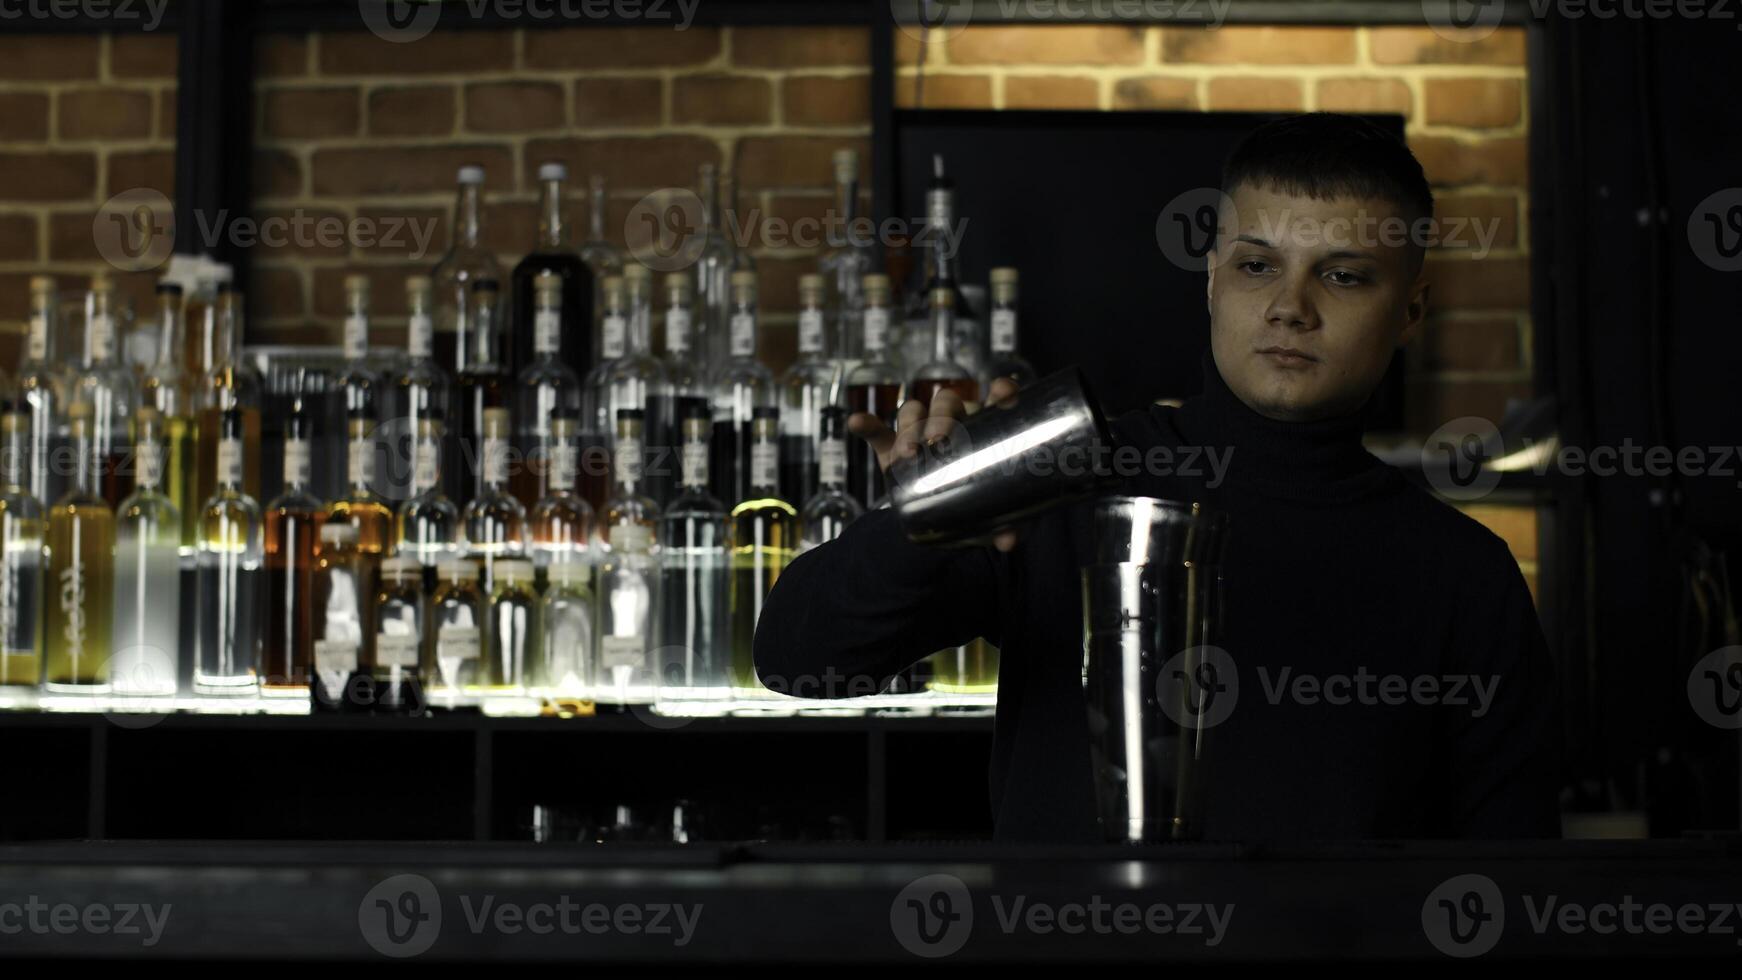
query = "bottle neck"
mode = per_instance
[
  {"x": 943, "y": 322},
  {"x": 695, "y": 463},
  {"x": 39, "y": 343},
  {"x": 86, "y": 451},
  {"x": 1003, "y": 333},
  {"x": 296, "y": 464},
  {"x": 360, "y": 464},
  {"x": 813, "y": 335},
  {"x": 229, "y": 469},
  {"x": 148, "y": 461},
  {"x": 678, "y": 324},
  {"x": 169, "y": 333},
  {"x": 764, "y": 463},
  {"x": 640, "y": 326},
  {"x": 469, "y": 216},
  {"x": 596, "y": 219},
  {"x": 743, "y": 331},
  {"x": 553, "y": 231},
  {"x": 626, "y": 463},
  {"x": 356, "y": 339},
  {"x": 14, "y": 454}
]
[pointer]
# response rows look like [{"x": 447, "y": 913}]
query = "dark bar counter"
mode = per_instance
[{"x": 870, "y": 904}]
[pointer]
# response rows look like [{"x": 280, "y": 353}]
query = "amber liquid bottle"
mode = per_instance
[
  {"x": 361, "y": 507},
  {"x": 943, "y": 373},
  {"x": 289, "y": 561},
  {"x": 81, "y": 575}
]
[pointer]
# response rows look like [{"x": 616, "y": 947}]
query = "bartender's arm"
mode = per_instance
[{"x": 844, "y": 618}]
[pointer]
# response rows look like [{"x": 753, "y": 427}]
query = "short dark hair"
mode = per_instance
[{"x": 1324, "y": 155}]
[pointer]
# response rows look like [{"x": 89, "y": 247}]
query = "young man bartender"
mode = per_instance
[{"x": 1336, "y": 568}]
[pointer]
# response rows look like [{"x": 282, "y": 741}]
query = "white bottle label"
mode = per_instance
[
  {"x": 810, "y": 332},
  {"x": 150, "y": 458},
  {"x": 564, "y": 465},
  {"x": 876, "y": 328},
  {"x": 423, "y": 466},
  {"x": 495, "y": 461},
  {"x": 420, "y": 335},
  {"x": 230, "y": 462},
  {"x": 743, "y": 335},
  {"x": 622, "y": 651},
  {"x": 628, "y": 461},
  {"x": 360, "y": 462},
  {"x": 547, "y": 332},
  {"x": 393, "y": 650},
  {"x": 616, "y": 330},
  {"x": 38, "y": 340},
  {"x": 1003, "y": 331},
  {"x": 632, "y": 538},
  {"x": 695, "y": 464},
  {"x": 677, "y": 330},
  {"x": 764, "y": 464},
  {"x": 356, "y": 337},
  {"x": 296, "y": 462},
  {"x": 458, "y": 643},
  {"x": 72, "y": 607},
  {"x": 102, "y": 337},
  {"x": 832, "y": 461}
]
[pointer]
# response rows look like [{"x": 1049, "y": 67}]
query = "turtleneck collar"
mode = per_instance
[{"x": 1322, "y": 460}]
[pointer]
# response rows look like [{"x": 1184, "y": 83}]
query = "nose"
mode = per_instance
[{"x": 1291, "y": 307}]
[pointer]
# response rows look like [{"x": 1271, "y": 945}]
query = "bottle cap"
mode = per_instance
[
  {"x": 101, "y": 283},
  {"x": 613, "y": 288},
  {"x": 846, "y": 165},
  {"x": 146, "y": 415},
  {"x": 458, "y": 570},
  {"x": 943, "y": 296},
  {"x": 548, "y": 286},
  {"x": 636, "y": 274},
  {"x": 42, "y": 284},
  {"x": 400, "y": 567},
  {"x": 471, "y": 176},
  {"x": 569, "y": 573},
  {"x": 517, "y": 570},
  {"x": 496, "y": 423},
  {"x": 1004, "y": 276},
  {"x": 552, "y": 171},
  {"x": 338, "y": 534},
  {"x": 356, "y": 285},
  {"x": 15, "y": 423},
  {"x": 678, "y": 284},
  {"x": 744, "y": 279},
  {"x": 876, "y": 288},
  {"x": 810, "y": 283},
  {"x": 562, "y": 426},
  {"x": 418, "y": 285}
]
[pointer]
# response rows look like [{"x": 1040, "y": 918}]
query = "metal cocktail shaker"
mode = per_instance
[
  {"x": 1150, "y": 617},
  {"x": 1045, "y": 446}
]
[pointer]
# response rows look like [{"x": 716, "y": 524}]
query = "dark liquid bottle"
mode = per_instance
[
  {"x": 864, "y": 475},
  {"x": 553, "y": 254},
  {"x": 289, "y": 532}
]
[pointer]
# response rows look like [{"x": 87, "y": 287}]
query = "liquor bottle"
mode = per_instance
[
  {"x": 941, "y": 272},
  {"x": 764, "y": 536},
  {"x": 80, "y": 555},
  {"x": 42, "y": 388},
  {"x": 225, "y": 383},
  {"x": 360, "y": 506},
  {"x": 1005, "y": 362},
  {"x": 21, "y": 525},
  {"x": 811, "y": 383},
  {"x": 687, "y": 379},
  {"x": 874, "y": 388},
  {"x": 567, "y": 666},
  {"x": 845, "y": 264},
  {"x": 108, "y": 387},
  {"x": 483, "y": 387},
  {"x": 627, "y": 574},
  {"x": 638, "y": 380},
  {"x": 828, "y": 513},
  {"x": 167, "y": 390},
  {"x": 422, "y": 395},
  {"x": 494, "y": 522},
  {"x": 561, "y": 521},
  {"x": 602, "y": 259},
  {"x": 466, "y": 264},
  {"x": 289, "y": 560},
  {"x": 968, "y": 669},
  {"x": 426, "y": 528},
  {"x": 454, "y": 647},
  {"x": 741, "y": 387},
  {"x": 342, "y": 609},
  {"x": 694, "y": 643},
  {"x": 554, "y": 255},
  {"x": 359, "y": 382},
  {"x": 399, "y": 616},
  {"x": 512, "y": 640},
  {"x": 228, "y": 596},
  {"x": 147, "y": 572},
  {"x": 596, "y": 418},
  {"x": 943, "y": 371},
  {"x": 547, "y": 387},
  {"x": 713, "y": 270}
]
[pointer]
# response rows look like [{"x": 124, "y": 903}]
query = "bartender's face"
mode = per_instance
[{"x": 1306, "y": 307}]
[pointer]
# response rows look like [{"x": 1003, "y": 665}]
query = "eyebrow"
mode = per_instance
[{"x": 1339, "y": 254}]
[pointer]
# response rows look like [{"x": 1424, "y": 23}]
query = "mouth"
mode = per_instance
[{"x": 1288, "y": 356}]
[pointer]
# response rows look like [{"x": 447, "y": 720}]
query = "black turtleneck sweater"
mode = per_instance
[{"x": 1336, "y": 569}]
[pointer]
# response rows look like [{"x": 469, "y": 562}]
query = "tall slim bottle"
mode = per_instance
[
  {"x": 42, "y": 389},
  {"x": 401, "y": 617},
  {"x": 813, "y": 382},
  {"x": 826, "y": 514},
  {"x": 845, "y": 264},
  {"x": 874, "y": 388},
  {"x": 466, "y": 264},
  {"x": 21, "y": 592},
  {"x": 685, "y": 372},
  {"x": 362, "y": 508},
  {"x": 547, "y": 388},
  {"x": 80, "y": 555},
  {"x": 147, "y": 573},
  {"x": 226, "y": 383},
  {"x": 764, "y": 539},
  {"x": 694, "y": 643},
  {"x": 741, "y": 387},
  {"x": 454, "y": 645},
  {"x": 553, "y": 254},
  {"x": 426, "y": 529},
  {"x": 482, "y": 387},
  {"x": 169, "y": 392},
  {"x": 942, "y": 271},
  {"x": 628, "y": 570},
  {"x": 638, "y": 380},
  {"x": 713, "y": 269},
  {"x": 597, "y": 422},
  {"x": 228, "y": 634},
  {"x": 494, "y": 523},
  {"x": 107, "y": 386},
  {"x": 1005, "y": 362},
  {"x": 602, "y": 258},
  {"x": 289, "y": 559},
  {"x": 422, "y": 394},
  {"x": 359, "y": 383},
  {"x": 513, "y": 641},
  {"x": 562, "y": 521},
  {"x": 567, "y": 668}
]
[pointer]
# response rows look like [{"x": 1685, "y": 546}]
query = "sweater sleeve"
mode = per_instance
[{"x": 844, "y": 618}]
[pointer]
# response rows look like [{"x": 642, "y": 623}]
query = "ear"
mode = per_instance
[
  {"x": 1210, "y": 284},
  {"x": 1416, "y": 311}
]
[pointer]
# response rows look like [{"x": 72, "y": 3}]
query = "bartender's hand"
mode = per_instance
[{"x": 912, "y": 425}]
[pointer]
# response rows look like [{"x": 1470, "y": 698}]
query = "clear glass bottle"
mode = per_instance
[
  {"x": 342, "y": 609},
  {"x": 289, "y": 560},
  {"x": 168, "y": 391},
  {"x": 1005, "y": 362},
  {"x": 553, "y": 255},
  {"x": 602, "y": 258},
  {"x": 828, "y": 513},
  {"x": 21, "y": 526},
  {"x": 687, "y": 379},
  {"x": 713, "y": 270},
  {"x": 361, "y": 507},
  {"x": 561, "y": 521},
  {"x": 627, "y": 574},
  {"x": 943, "y": 372},
  {"x": 107, "y": 386},
  {"x": 229, "y": 582},
  {"x": 512, "y": 642},
  {"x": 427, "y": 527},
  {"x": 741, "y": 386},
  {"x": 694, "y": 643},
  {"x": 812, "y": 383},
  {"x": 453, "y": 650},
  {"x": 482, "y": 387},
  {"x": 42, "y": 390},
  {"x": 227, "y": 383},
  {"x": 764, "y": 539},
  {"x": 147, "y": 573},
  {"x": 845, "y": 263},
  {"x": 567, "y": 667},
  {"x": 80, "y": 555},
  {"x": 467, "y": 263},
  {"x": 399, "y": 616},
  {"x": 547, "y": 387},
  {"x": 596, "y": 418},
  {"x": 638, "y": 380},
  {"x": 494, "y": 522},
  {"x": 422, "y": 394},
  {"x": 359, "y": 382},
  {"x": 874, "y": 388}
]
